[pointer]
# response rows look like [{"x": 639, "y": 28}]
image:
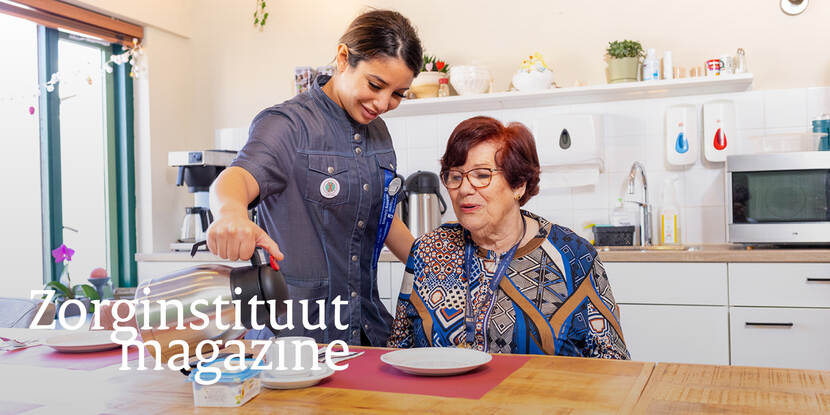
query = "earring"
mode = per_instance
[{"x": 517, "y": 196}]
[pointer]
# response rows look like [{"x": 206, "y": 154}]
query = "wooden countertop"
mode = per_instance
[
  {"x": 714, "y": 253},
  {"x": 690, "y": 253},
  {"x": 700, "y": 253}
]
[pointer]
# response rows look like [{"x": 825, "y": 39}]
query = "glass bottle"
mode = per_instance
[
  {"x": 443, "y": 87},
  {"x": 740, "y": 61}
]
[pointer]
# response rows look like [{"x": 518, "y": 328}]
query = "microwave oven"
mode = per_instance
[{"x": 778, "y": 198}]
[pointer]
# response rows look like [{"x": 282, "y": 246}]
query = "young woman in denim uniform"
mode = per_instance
[{"x": 322, "y": 169}]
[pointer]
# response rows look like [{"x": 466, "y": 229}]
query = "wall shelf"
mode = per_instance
[{"x": 576, "y": 95}]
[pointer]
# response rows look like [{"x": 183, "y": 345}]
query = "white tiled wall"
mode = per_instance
[{"x": 633, "y": 130}]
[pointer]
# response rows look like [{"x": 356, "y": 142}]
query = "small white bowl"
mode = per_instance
[
  {"x": 470, "y": 79},
  {"x": 533, "y": 80}
]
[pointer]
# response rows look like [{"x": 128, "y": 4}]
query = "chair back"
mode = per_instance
[{"x": 20, "y": 312}]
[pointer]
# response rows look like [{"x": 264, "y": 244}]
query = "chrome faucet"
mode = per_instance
[{"x": 645, "y": 208}]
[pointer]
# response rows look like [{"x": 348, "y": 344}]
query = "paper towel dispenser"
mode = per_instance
[{"x": 570, "y": 150}]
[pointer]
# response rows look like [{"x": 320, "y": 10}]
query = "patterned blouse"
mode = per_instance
[{"x": 554, "y": 297}]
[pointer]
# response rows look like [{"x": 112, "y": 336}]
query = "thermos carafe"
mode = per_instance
[
  {"x": 423, "y": 205},
  {"x": 208, "y": 283}
]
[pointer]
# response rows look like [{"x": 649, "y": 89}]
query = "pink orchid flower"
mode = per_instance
[{"x": 63, "y": 253}]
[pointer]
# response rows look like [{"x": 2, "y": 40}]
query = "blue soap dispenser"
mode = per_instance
[{"x": 681, "y": 135}]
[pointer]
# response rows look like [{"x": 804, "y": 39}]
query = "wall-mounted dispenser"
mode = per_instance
[
  {"x": 682, "y": 138},
  {"x": 569, "y": 149},
  {"x": 718, "y": 129}
]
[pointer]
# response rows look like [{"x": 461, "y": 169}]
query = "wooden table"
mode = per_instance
[
  {"x": 704, "y": 389},
  {"x": 543, "y": 385}
]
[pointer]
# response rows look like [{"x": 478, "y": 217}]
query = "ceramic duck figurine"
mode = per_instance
[{"x": 533, "y": 74}]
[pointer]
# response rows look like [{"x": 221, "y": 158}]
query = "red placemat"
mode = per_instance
[
  {"x": 42, "y": 356},
  {"x": 367, "y": 372}
]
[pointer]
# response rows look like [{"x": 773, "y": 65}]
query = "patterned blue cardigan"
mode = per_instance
[{"x": 554, "y": 298}]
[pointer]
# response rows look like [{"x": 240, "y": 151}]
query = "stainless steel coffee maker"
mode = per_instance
[
  {"x": 422, "y": 205},
  {"x": 197, "y": 170}
]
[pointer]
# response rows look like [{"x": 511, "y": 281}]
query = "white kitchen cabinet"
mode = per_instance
[
  {"x": 390, "y": 305},
  {"x": 679, "y": 334},
  {"x": 384, "y": 286},
  {"x": 689, "y": 312},
  {"x": 779, "y": 285},
  {"x": 781, "y": 337},
  {"x": 390, "y": 275},
  {"x": 672, "y": 311},
  {"x": 676, "y": 283},
  {"x": 396, "y": 271}
]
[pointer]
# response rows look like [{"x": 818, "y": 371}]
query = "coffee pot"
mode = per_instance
[
  {"x": 209, "y": 283},
  {"x": 195, "y": 224},
  {"x": 423, "y": 204}
]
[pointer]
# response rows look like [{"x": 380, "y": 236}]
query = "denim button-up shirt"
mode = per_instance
[{"x": 320, "y": 176}]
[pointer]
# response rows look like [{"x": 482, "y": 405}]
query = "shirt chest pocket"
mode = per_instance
[
  {"x": 386, "y": 167},
  {"x": 327, "y": 179}
]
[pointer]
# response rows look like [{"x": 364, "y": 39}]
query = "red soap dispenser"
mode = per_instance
[{"x": 718, "y": 127}]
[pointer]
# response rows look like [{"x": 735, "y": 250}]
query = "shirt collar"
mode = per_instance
[{"x": 330, "y": 107}]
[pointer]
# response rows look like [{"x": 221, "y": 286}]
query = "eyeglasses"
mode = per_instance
[{"x": 478, "y": 178}]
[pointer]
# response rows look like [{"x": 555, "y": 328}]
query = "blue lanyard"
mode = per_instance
[
  {"x": 387, "y": 212},
  {"x": 470, "y": 313}
]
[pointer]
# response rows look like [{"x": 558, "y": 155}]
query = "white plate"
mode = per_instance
[
  {"x": 82, "y": 341},
  {"x": 296, "y": 382},
  {"x": 436, "y": 361}
]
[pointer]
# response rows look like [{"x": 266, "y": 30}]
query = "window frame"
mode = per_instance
[{"x": 120, "y": 161}]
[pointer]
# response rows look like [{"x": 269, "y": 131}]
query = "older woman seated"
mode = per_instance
[{"x": 503, "y": 280}]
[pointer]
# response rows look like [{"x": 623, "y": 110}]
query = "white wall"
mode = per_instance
[
  {"x": 633, "y": 130},
  {"x": 173, "y": 16},
  {"x": 164, "y": 114},
  {"x": 164, "y": 123},
  {"x": 244, "y": 70},
  {"x": 210, "y": 68}
]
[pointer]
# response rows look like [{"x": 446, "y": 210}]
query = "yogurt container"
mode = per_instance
[{"x": 233, "y": 389}]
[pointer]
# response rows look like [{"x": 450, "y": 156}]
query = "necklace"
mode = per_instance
[
  {"x": 521, "y": 236},
  {"x": 472, "y": 311}
]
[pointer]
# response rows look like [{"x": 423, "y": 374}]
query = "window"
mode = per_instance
[
  {"x": 83, "y": 153},
  {"x": 20, "y": 227},
  {"x": 69, "y": 175}
]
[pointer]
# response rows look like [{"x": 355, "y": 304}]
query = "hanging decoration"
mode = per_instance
[
  {"x": 131, "y": 55},
  {"x": 260, "y": 15}
]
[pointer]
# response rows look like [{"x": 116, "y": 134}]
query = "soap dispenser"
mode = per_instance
[
  {"x": 718, "y": 129},
  {"x": 681, "y": 135},
  {"x": 669, "y": 214}
]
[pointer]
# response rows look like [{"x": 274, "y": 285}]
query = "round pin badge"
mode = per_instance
[
  {"x": 330, "y": 188},
  {"x": 394, "y": 186}
]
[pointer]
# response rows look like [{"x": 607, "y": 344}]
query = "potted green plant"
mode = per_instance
[
  {"x": 84, "y": 293},
  {"x": 425, "y": 85},
  {"x": 623, "y": 60}
]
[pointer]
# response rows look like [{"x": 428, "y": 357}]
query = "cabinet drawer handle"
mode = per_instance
[
  {"x": 809, "y": 279},
  {"x": 755, "y": 324}
]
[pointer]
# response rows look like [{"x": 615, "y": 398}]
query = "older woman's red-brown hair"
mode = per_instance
[{"x": 516, "y": 155}]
